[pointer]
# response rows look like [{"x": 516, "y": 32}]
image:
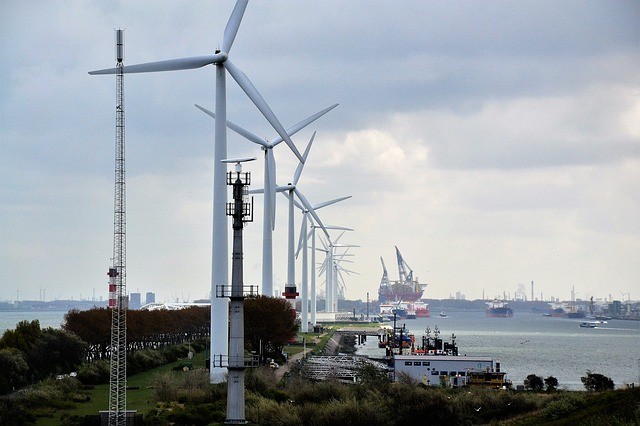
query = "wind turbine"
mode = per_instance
[
  {"x": 330, "y": 276},
  {"x": 269, "y": 212},
  {"x": 303, "y": 243},
  {"x": 339, "y": 269},
  {"x": 220, "y": 243},
  {"x": 313, "y": 268}
]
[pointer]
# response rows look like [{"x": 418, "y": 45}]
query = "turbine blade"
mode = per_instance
[
  {"x": 304, "y": 123},
  {"x": 339, "y": 228},
  {"x": 328, "y": 203},
  {"x": 236, "y": 128},
  {"x": 233, "y": 24},
  {"x": 308, "y": 206},
  {"x": 303, "y": 231},
  {"x": 169, "y": 65},
  {"x": 253, "y": 94},
  {"x": 296, "y": 175}
]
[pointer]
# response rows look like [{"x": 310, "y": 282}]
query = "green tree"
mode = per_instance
[
  {"x": 595, "y": 382},
  {"x": 551, "y": 383},
  {"x": 55, "y": 352},
  {"x": 533, "y": 382},
  {"x": 23, "y": 337},
  {"x": 269, "y": 323},
  {"x": 13, "y": 370}
]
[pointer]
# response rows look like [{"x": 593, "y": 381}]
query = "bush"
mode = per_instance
[
  {"x": 12, "y": 414},
  {"x": 144, "y": 360},
  {"x": 174, "y": 413},
  {"x": 303, "y": 391},
  {"x": 94, "y": 373},
  {"x": 349, "y": 412},
  {"x": 259, "y": 379},
  {"x": 173, "y": 353},
  {"x": 563, "y": 406},
  {"x": 265, "y": 411},
  {"x": 196, "y": 387},
  {"x": 66, "y": 385},
  {"x": 165, "y": 387}
]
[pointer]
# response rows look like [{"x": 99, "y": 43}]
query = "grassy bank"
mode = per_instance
[{"x": 140, "y": 395}]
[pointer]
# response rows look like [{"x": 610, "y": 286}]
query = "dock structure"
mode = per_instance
[{"x": 343, "y": 368}]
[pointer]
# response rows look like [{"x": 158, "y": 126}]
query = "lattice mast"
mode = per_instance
[{"x": 118, "y": 272}]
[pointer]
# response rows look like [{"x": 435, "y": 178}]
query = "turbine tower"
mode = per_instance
[{"x": 117, "y": 273}]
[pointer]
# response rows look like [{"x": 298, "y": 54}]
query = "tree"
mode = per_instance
[
  {"x": 13, "y": 370},
  {"x": 55, "y": 352},
  {"x": 269, "y": 323},
  {"x": 23, "y": 337},
  {"x": 92, "y": 326},
  {"x": 595, "y": 382},
  {"x": 551, "y": 383},
  {"x": 533, "y": 382}
]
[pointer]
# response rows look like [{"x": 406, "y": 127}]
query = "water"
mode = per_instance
[
  {"x": 9, "y": 319},
  {"x": 533, "y": 344}
]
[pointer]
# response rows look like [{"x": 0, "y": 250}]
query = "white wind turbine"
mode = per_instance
[
  {"x": 329, "y": 267},
  {"x": 220, "y": 243},
  {"x": 313, "y": 266},
  {"x": 339, "y": 269},
  {"x": 269, "y": 212},
  {"x": 303, "y": 244}
]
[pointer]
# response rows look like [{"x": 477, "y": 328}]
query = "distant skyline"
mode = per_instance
[{"x": 495, "y": 143}]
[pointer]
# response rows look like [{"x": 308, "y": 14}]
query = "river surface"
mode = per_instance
[
  {"x": 9, "y": 319},
  {"x": 531, "y": 343}
]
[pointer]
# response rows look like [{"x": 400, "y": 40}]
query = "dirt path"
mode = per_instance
[{"x": 292, "y": 359}]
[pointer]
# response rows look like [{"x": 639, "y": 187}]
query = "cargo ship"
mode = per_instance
[
  {"x": 498, "y": 309},
  {"x": 405, "y": 289}
]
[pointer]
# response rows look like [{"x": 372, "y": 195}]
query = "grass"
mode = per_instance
[{"x": 139, "y": 396}]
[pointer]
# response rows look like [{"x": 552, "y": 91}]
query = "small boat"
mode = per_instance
[{"x": 588, "y": 324}]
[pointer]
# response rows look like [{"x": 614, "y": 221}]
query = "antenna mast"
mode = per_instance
[{"x": 117, "y": 273}]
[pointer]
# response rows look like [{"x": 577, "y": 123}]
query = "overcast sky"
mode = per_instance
[{"x": 494, "y": 142}]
